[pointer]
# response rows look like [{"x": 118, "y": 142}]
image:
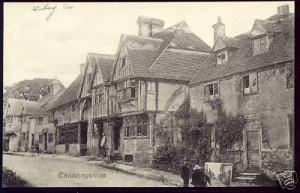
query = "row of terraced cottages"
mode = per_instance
[{"x": 113, "y": 107}]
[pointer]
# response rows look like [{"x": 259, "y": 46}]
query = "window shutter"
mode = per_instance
[
  {"x": 237, "y": 84},
  {"x": 206, "y": 92},
  {"x": 253, "y": 82},
  {"x": 216, "y": 88}
]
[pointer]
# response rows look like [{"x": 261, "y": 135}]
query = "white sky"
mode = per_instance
[{"x": 35, "y": 47}]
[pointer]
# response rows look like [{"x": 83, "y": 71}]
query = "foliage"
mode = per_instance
[
  {"x": 290, "y": 75},
  {"x": 228, "y": 129},
  {"x": 28, "y": 89},
  {"x": 196, "y": 136},
  {"x": 10, "y": 179},
  {"x": 195, "y": 144},
  {"x": 184, "y": 110}
]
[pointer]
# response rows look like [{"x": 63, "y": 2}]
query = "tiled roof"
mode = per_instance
[
  {"x": 104, "y": 63},
  {"x": 177, "y": 65},
  {"x": 45, "y": 106},
  {"x": 68, "y": 95},
  {"x": 17, "y": 107},
  {"x": 181, "y": 36},
  {"x": 144, "y": 52},
  {"x": 281, "y": 49}
]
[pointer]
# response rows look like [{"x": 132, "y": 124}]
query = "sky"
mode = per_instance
[{"x": 51, "y": 40}]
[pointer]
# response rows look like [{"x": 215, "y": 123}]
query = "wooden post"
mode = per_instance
[{"x": 79, "y": 137}]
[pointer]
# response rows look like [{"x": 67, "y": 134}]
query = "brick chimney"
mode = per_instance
[
  {"x": 55, "y": 87},
  {"x": 283, "y": 10},
  {"x": 219, "y": 29},
  {"x": 148, "y": 26}
]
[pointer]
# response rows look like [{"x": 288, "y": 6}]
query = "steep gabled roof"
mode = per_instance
[
  {"x": 144, "y": 52},
  {"x": 176, "y": 64},
  {"x": 181, "y": 36},
  {"x": 18, "y": 107},
  {"x": 225, "y": 42},
  {"x": 281, "y": 49},
  {"x": 68, "y": 95},
  {"x": 103, "y": 61}
]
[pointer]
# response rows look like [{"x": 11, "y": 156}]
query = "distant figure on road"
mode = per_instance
[
  {"x": 199, "y": 178},
  {"x": 185, "y": 173},
  {"x": 103, "y": 145},
  {"x": 37, "y": 148}
]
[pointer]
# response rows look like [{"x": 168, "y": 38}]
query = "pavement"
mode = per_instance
[{"x": 117, "y": 174}]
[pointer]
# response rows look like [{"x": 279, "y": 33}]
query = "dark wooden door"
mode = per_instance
[
  {"x": 253, "y": 150},
  {"x": 45, "y": 141}
]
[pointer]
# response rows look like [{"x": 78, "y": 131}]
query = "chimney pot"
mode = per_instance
[{"x": 219, "y": 29}]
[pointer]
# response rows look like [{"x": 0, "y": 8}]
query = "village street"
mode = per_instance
[{"x": 46, "y": 172}]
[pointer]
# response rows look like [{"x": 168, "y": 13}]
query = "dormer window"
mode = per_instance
[
  {"x": 260, "y": 45},
  {"x": 222, "y": 57}
]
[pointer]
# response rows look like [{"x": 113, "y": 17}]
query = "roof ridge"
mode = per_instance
[
  {"x": 23, "y": 100},
  {"x": 143, "y": 37},
  {"x": 108, "y": 56}
]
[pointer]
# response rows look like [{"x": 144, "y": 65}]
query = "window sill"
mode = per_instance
[
  {"x": 136, "y": 137},
  {"x": 250, "y": 94},
  {"x": 211, "y": 100},
  {"x": 126, "y": 101}
]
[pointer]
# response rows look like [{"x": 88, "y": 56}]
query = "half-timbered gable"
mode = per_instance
[{"x": 150, "y": 77}]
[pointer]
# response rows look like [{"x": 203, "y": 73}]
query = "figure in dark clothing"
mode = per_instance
[
  {"x": 199, "y": 178},
  {"x": 37, "y": 147},
  {"x": 185, "y": 174}
]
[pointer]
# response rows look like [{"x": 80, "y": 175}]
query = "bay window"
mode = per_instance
[
  {"x": 136, "y": 126},
  {"x": 127, "y": 90}
]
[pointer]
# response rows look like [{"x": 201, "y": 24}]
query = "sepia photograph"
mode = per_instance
[{"x": 160, "y": 94}]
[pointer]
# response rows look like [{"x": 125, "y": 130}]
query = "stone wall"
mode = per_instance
[
  {"x": 139, "y": 148},
  {"x": 74, "y": 149},
  {"x": 60, "y": 149},
  {"x": 235, "y": 157},
  {"x": 273, "y": 103}
]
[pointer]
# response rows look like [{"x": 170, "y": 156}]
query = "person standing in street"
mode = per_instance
[
  {"x": 185, "y": 173},
  {"x": 199, "y": 178},
  {"x": 37, "y": 147}
]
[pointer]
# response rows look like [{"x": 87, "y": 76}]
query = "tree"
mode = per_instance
[{"x": 28, "y": 89}]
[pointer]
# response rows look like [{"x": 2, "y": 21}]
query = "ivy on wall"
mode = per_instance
[
  {"x": 228, "y": 128},
  {"x": 196, "y": 136}
]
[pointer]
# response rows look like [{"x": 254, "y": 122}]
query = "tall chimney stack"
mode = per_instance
[
  {"x": 148, "y": 26},
  {"x": 283, "y": 10},
  {"x": 219, "y": 29}
]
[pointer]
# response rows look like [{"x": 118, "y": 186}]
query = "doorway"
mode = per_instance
[
  {"x": 45, "y": 141},
  {"x": 117, "y": 130},
  {"x": 83, "y": 133},
  {"x": 32, "y": 140},
  {"x": 253, "y": 150}
]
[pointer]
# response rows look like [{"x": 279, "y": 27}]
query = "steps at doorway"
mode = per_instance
[
  {"x": 249, "y": 177},
  {"x": 117, "y": 156}
]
